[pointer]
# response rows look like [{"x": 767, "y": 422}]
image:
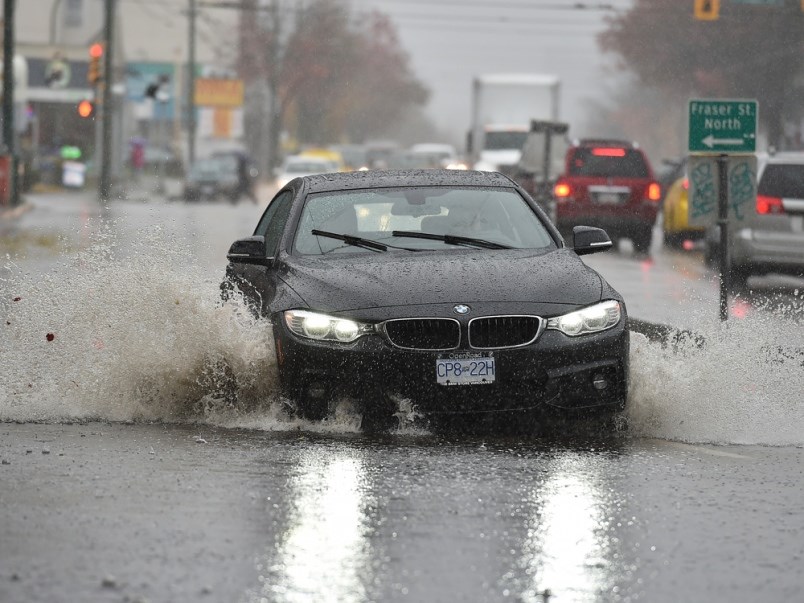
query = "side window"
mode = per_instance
[{"x": 272, "y": 223}]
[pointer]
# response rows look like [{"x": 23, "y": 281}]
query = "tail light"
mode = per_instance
[
  {"x": 654, "y": 191},
  {"x": 686, "y": 184},
  {"x": 769, "y": 205},
  {"x": 608, "y": 152},
  {"x": 562, "y": 190}
]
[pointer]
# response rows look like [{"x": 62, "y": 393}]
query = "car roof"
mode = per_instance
[
  {"x": 782, "y": 157},
  {"x": 395, "y": 178}
]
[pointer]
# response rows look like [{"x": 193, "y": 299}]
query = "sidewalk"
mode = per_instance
[{"x": 7, "y": 214}]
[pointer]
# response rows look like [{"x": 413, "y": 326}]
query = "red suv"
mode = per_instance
[{"x": 608, "y": 184}]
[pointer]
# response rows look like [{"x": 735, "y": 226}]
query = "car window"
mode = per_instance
[
  {"x": 272, "y": 223},
  {"x": 608, "y": 163},
  {"x": 497, "y": 215},
  {"x": 784, "y": 180}
]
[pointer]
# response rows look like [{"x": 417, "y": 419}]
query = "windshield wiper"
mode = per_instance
[
  {"x": 450, "y": 239},
  {"x": 351, "y": 240}
]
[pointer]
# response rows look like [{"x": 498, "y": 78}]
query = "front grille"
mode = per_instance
[
  {"x": 424, "y": 333},
  {"x": 503, "y": 331}
]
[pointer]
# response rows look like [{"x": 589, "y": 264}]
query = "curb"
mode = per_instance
[{"x": 15, "y": 212}]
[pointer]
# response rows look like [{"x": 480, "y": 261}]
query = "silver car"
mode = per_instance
[{"x": 771, "y": 240}]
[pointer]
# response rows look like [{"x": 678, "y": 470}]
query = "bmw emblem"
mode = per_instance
[{"x": 461, "y": 309}]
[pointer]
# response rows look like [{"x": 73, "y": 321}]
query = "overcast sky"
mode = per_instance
[{"x": 449, "y": 41}]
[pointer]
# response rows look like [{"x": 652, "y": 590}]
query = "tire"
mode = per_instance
[
  {"x": 304, "y": 405},
  {"x": 738, "y": 279},
  {"x": 672, "y": 240},
  {"x": 377, "y": 414},
  {"x": 641, "y": 241}
]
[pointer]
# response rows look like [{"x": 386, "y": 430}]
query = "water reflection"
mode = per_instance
[
  {"x": 568, "y": 550},
  {"x": 324, "y": 555}
]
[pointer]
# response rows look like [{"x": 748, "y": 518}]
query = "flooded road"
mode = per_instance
[
  {"x": 114, "y": 512},
  {"x": 126, "y": 475}
]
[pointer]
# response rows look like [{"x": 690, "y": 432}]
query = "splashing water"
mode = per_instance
[
  {"x": 739, "y": 382},
  {"x": 143, "y": 335}
]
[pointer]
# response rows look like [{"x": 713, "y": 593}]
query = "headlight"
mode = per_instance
[
  {"x": 321, "y": 327},
  {"x": 593, "y": 319}
]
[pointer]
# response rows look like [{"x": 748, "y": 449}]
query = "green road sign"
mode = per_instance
[{"x": 722, "y": 126}]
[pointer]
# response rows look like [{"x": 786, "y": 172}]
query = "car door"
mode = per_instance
[{"x": 258, "y": 283}]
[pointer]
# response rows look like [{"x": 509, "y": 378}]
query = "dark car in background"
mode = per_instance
[
  {"x": 609, "y": 184},
  {"x": 448, "y": 288},
  {"x": 213, "y": 178}
]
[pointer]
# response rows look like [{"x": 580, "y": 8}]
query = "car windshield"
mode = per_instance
[
  {"x": 608, "y": 163},
  {"x": 498, "y": 216},
  {"x": 209, "y": 167},
  {"x": 784, "y": 180}
]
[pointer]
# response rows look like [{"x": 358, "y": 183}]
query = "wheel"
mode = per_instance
[
  {"x": 307, "y": 401},
  {"x": 642, "y": 241},
  {"x": 377, "y": 410},
  {"x": 672, "y": 239},
  {"x": 738, "y": 279}
]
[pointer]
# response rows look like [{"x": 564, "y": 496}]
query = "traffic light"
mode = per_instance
[
  {"x": 86, "y": 108},
  {"x": 707, "y": 10},
  {"x": 94, "y": 74}
]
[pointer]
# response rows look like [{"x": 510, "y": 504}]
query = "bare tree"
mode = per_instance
[{"x": 749, "y": 52}]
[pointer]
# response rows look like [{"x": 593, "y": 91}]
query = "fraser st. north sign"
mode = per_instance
[{"x": 722, "y": 126}]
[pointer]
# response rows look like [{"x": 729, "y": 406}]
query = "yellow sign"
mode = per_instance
[
  {"x": 707, "y": 10},
  {"x": 218, "y": 93}
]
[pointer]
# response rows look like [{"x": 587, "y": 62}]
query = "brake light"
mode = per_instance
[
  {"x": 654, "y": 191},
  {"x": 562, "y": 190},
  {"x": 686, "y": 184},
  {"x": 769, "y": 205},
  {"x": 608, "y": 152}
]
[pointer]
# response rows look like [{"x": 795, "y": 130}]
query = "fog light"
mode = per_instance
[{"x": 600, "y": 382}]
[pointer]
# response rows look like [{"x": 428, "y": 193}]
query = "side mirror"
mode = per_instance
[
  {"x": 587, "y": 239},
  {"x": 249, "y": 251}
]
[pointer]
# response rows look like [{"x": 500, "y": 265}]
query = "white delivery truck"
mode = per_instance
[{"x": 503, "y": 106}]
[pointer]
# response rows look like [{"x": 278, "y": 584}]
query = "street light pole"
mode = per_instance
[
  {"x": 8, "y": 98},
  {"x": 105, "y": 182},
  {"x": 191, "y": 84}
]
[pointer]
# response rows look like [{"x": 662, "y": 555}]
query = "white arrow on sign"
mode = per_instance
[{"x": 711, "y": 141}]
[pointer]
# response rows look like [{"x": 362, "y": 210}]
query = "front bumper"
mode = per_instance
[{"x": 556, "y": 370}]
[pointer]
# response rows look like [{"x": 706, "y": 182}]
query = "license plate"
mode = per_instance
[
  {"x": 466, "y": 370},
  {"x": 797, "y": 223},
  {"x": 207, "y": 190},
  {"x": 608, "y": 198}
]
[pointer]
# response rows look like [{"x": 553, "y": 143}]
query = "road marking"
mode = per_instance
[{"x": 702, "y": 449}]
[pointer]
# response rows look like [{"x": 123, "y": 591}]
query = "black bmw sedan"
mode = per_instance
[{"x": 451, "y": 289}]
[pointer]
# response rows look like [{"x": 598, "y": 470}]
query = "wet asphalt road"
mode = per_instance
[
  {"x": 163, "y": 512},
  {"x": 111, "y": 512}
]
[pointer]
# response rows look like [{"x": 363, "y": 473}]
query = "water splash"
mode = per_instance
[
  {"x": 738, "y": 382},
  {"x": 138, "y": 332}
]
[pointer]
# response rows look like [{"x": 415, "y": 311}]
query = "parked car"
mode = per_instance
[
  {"x": 296, "y": 166},
  {"x": 437, "y": 155},
  {"x": 675, "y": 214},
  {"x": 450, "y": 288},
  {"x": 772, "y": 239},
  {"x": 609, "y": 184},
  {"x": 247, "y": 172},
  {"x": 213, "y": 178}
]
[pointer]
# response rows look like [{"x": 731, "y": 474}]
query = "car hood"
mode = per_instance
[{"x": 355, "y": 282}]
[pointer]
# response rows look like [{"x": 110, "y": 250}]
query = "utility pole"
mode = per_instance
[
  {"x": 8, "y": 98},
  {"x": 191, "y": 84},
  {"x": 105, "y": 182}
]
